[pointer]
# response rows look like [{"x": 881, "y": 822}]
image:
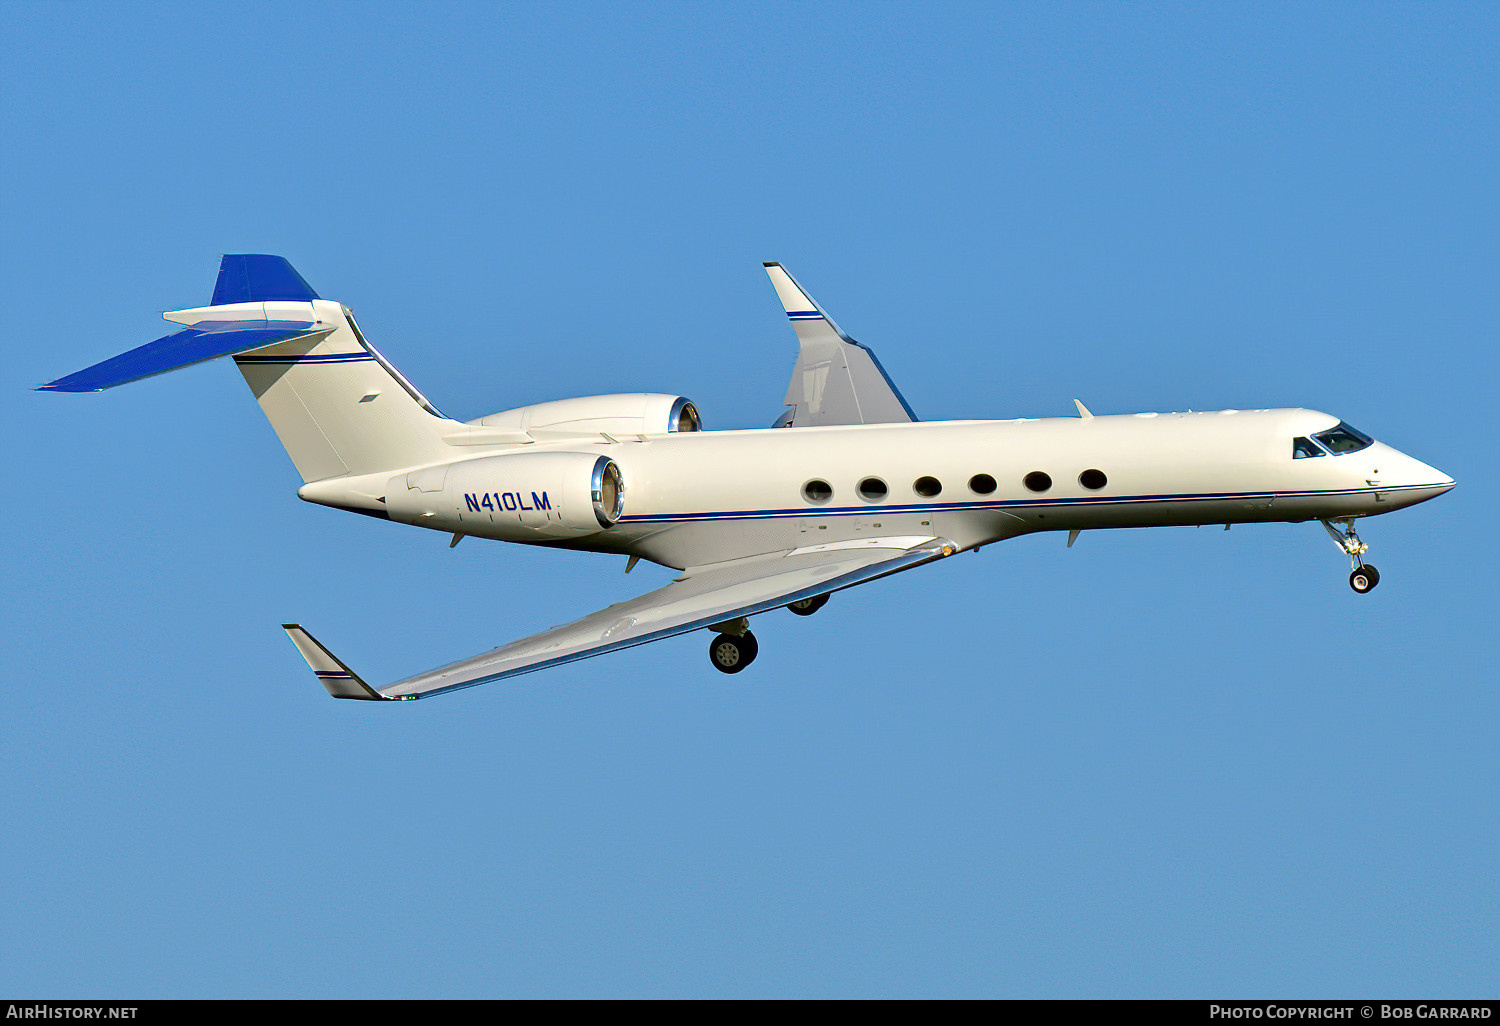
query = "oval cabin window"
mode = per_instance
[{"x": 817, "y": 492}]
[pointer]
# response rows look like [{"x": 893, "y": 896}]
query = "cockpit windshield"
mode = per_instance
[{"x": 1343, "y": 439}]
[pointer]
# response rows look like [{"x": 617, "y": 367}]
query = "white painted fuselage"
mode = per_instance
[{"x": 707, "y": 496}]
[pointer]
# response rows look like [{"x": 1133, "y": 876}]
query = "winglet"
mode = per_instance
[
  {"x": 836, "y": 380},
  {"x": 799, "y": 306},
  {"x": 338, "y": 679}
]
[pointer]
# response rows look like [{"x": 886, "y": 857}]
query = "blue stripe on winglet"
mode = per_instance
[
  {"x": 203, "y": 341},
  {"x": 306, "y": 360},
  {"x": 257, "y": 277}
]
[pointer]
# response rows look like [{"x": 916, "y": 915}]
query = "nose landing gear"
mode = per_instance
[{"x": 1363, "y": 577}]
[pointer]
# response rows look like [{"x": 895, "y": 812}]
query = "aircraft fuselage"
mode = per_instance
[{"x": 707, "y": 496}]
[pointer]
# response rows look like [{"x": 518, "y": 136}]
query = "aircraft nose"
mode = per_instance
[
  {"x": 1423, "y": 476},
  {"x": 1416, "y": 479}
]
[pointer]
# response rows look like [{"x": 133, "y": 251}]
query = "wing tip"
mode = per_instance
[{"x": 336, "y": 677}]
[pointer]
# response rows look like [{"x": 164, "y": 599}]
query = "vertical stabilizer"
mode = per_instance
[
  {"x": 338, "y": 406},
  {"x": 255, "y": 277}
]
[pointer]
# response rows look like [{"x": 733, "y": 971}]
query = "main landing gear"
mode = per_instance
[
  {"x": 807, "y": 607},
  {"x": 734, "y": 647},
  {"x": 1363, "y": 577}
]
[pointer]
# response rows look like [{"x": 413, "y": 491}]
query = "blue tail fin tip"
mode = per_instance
[{"x": 257, "y": 277}]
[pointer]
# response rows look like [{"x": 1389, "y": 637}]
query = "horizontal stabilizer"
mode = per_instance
[
  {"x": 205, "y": 340},
  {"x": 338, "y": 679},
  {"x": 257, "y": 277}
]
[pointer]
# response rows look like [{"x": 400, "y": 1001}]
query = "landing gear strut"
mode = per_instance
[{"x": 1362, "y": 577}]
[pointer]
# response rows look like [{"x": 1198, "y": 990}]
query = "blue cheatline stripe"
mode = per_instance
[
  {"x": 804, "y": 315},
  {"x": 333, "y": 673},
  {"x": 328, "y": 358},
  {"x": 1003, "y": 504}
]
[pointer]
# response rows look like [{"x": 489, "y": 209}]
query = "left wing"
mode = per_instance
[{"x": 701, "y": 597}]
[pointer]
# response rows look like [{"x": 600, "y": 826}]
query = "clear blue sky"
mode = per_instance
[{"x": 1162, "y": 763}]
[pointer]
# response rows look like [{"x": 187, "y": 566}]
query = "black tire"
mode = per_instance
[
  {"x": 731, "y": 654},
  {"x": 807, "y": 607},
  {"x": 1364, "y": 579}
]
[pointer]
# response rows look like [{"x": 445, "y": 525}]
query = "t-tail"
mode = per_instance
[{"x": 337, "y": 405}]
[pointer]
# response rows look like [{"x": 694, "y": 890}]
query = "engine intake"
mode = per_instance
[{"x": 607, "y": 489}]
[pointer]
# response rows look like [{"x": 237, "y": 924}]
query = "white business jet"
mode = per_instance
[{"x": 847, "y": 487}]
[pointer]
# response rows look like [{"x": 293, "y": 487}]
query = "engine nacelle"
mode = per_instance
[
  {"x": 515, "y": 497},
  {"x": 633, "y": 413}
]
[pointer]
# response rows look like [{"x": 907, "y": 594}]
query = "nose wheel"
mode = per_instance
[{"x": 1362, "y": 577}]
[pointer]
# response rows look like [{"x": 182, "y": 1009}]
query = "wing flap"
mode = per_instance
[{"x": 703, "y": 596}]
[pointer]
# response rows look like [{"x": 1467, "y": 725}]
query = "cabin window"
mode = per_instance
[
  {"x": 872, "y": 489},
  {"x": 1037, "y": 481},
  {"x": 1343, "y": 439},
  {"x": 981, "y": 484},
  {"x": 1303, "y": 449},
  {"x": 817, "y": 491},
  {"x": 927, "y": 487},
  {"x": 1093, "y": 479}
]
